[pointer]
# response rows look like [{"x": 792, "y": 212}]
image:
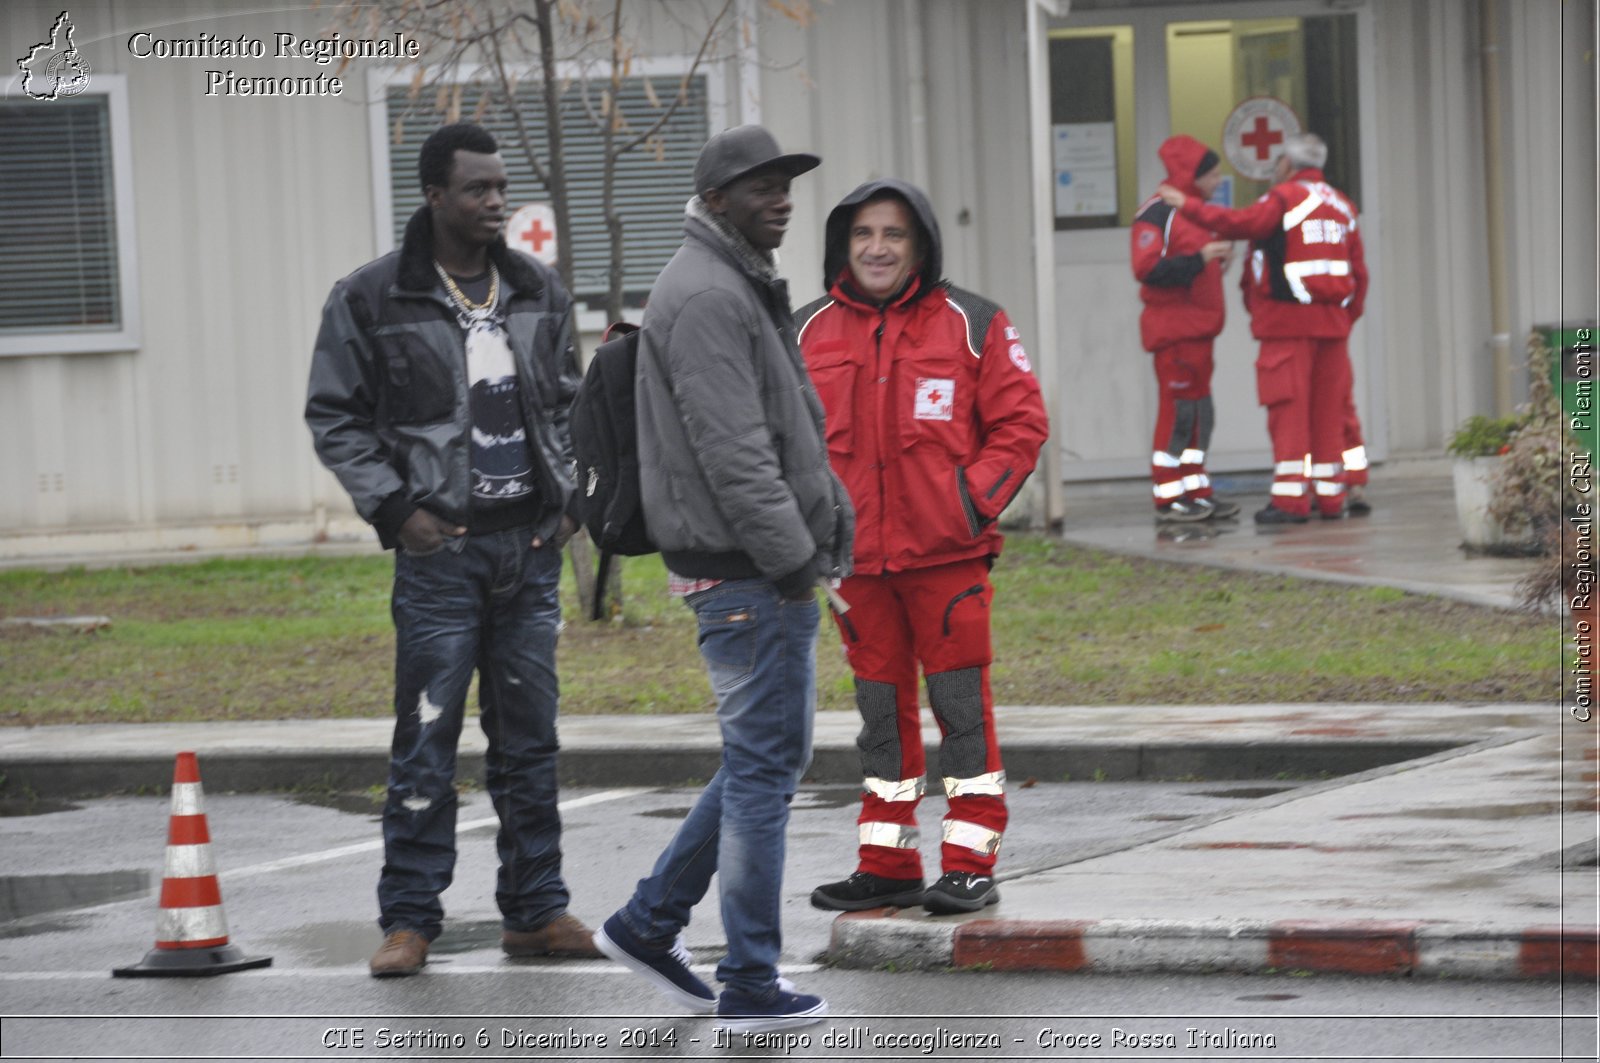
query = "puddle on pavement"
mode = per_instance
[
  {"x": 1537, "y": 808},
  {"x": 25, "y": 895},
  {"x": 1244, "y": 792},
  {"x": 826, "y": 797},
  {"x": 347, "y": 944},
  {"x": 357, "y": 804},
  {"x": 12, "y": 806},
  {"x": 332, "y": 944}
]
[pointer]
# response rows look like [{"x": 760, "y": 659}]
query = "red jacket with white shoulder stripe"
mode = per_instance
[
  {"x": 1307, "y": 275},
  {"x": 934, "y": 416}
]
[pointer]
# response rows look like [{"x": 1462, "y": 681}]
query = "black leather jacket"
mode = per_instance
[{"x": 387, "y": 401}]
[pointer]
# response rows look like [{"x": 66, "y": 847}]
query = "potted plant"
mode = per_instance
[
  {"x": 1480, "y": 446},
  {"x": 1510, "y": 472}
]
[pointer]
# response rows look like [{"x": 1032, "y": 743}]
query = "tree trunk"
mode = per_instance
[{"x": 556, "y": 151}]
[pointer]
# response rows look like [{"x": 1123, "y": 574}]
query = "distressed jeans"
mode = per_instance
[
  {"x": 487, "y": 602},
  {"x": 761, "y": 653}
]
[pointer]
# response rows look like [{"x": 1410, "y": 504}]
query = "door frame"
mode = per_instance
[{"x": 1152, "y": 125}]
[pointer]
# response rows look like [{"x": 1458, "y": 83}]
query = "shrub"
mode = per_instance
[{"x": 1480, "y": 436}]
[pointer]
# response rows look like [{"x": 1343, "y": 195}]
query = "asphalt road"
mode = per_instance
[{"x": 297, "y": 877}]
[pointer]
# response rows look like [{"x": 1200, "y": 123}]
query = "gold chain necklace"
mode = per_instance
[{"x": 460, "y": 297}]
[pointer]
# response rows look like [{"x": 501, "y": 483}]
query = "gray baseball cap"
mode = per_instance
[{"x": 732, "y": 153}]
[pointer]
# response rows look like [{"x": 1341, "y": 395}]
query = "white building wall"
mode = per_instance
[
  {"x": 247, "y": 210},
  {"x": 1549, "y": 98},
  {"x": 1427, "y": 246}
]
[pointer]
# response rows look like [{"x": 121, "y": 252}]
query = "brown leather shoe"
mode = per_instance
[
  {"x": 565, "y": 935},
  {"x": 403, "y": 952}
]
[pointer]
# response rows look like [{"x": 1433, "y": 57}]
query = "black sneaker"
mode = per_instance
[
  {"x": 1182, "y": 511},
  {"x": 667, "y": 968},
  {"x": 960, "y": 891},
  {"x": 1221, "y": 509},
  {"x": 783, "y": 1009},
  {"x": 864, "y": 890},
  {"x": 1356, "y": 503},
  {"x": 1274, "y": 515}
]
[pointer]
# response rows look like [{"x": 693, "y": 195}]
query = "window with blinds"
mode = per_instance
[
  {"x": 652, "y": 185},
  {"x": 58, "y": 217}
]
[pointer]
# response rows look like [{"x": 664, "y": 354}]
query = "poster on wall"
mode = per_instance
[{"x": 1086, "y": 168}]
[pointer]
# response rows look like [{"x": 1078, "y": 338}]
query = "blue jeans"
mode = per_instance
[
  {"x": 489, "y": 602},
  {"x": 761, "y": 652}
]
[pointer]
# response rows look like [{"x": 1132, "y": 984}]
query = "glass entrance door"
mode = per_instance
[{"x": 1306, "y": 64}]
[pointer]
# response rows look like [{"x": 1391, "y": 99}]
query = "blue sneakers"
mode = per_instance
[
  {"x": 666, "y": 968},
  {"x": 783, "y": 1009}
]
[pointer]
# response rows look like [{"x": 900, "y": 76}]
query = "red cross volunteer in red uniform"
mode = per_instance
[
  {"x": 934, "y": 421},
  {"x": 1179, "y": 266},
  {"x": 1305, "y": 286}
]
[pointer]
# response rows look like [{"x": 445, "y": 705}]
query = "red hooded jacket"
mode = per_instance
[
  {"x": 1182, "y": 293},
  {"x": 934, "y": 416}
]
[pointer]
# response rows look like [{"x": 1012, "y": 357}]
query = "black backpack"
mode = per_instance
[{"x": 605, "y": 442}]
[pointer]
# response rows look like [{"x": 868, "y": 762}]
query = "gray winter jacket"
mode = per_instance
[
  {"x": 387, "y": 402},
  {"x": 733, "y": 468}
]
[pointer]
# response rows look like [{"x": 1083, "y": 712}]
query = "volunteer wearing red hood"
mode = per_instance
[
  {"x": 934, "y": 421},
  {"x": 1304, "y": 285},
  {"x": 1179, "y": 267}
]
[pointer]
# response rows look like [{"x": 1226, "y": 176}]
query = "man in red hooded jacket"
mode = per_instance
[
  {"x": 1305, "y": 285},
  {"x": 1179, "y": 266},
  {"x": 934, "y": 420}
]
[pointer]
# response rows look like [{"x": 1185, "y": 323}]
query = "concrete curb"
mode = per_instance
[
  {"x": 83, "y": 775},
  {"x": 886, "y": 937}
]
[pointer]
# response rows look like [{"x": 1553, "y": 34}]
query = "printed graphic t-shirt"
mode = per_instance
[{"x": 504, "y": 490}]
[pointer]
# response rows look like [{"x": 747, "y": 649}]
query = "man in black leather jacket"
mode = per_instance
[{"x": 439, "y": 396}]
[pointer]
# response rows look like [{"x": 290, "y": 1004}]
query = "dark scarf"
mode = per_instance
[{"x": 761, "y": 264}]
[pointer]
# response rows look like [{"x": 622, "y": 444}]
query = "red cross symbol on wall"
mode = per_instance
[
  {"x": 1262, "y": 138},
  {"x": 536, "y": 234}
]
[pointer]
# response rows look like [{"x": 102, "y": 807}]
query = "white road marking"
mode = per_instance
[
  {"x": 307, "y": 859},
  {"x": 326, "y": 855}
]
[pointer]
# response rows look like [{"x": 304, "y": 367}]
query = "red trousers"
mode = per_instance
[
  {"x": 1305, "y": 386},
  {"x": 1184, "y": 419},
  {"x": 937, "y": 618},
  {"x": 1355, "y": 447}
]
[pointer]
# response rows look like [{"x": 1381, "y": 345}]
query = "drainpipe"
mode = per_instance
[{"x": 1494, "y": 187}]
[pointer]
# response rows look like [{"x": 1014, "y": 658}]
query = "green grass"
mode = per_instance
[{"x": 311, "y": 638}]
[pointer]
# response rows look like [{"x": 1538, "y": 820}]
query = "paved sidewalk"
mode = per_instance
[
  {"x": 1410, "y": 541},
  {"x": 1452, "y": 839}
]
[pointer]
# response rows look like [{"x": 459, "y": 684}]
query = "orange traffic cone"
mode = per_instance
[{"x": 191, "y": 932}]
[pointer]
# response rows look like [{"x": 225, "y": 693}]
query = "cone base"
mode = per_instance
[{"x": 191, "y": 963}]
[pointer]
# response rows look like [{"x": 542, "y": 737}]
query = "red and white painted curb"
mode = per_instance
[{"x": 1361, "y": 947}]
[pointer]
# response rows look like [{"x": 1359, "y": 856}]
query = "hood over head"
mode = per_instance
[
  {"x": 1186, "y": 159},
  {"x": 836, "y": 234}
]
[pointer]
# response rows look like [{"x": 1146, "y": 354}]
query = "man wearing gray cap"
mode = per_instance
[{"x": 738, "y": 494}]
